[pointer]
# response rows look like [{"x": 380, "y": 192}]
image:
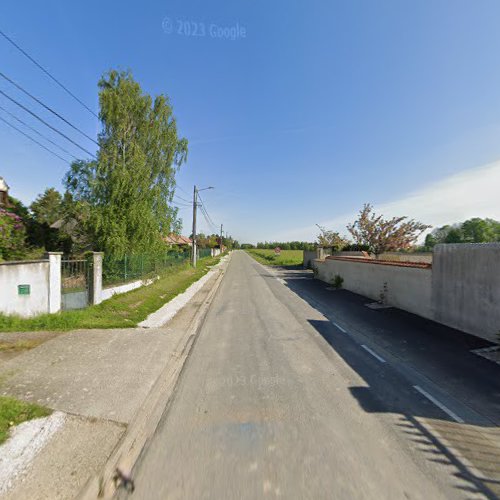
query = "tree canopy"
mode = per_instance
[
  {"x": 383, "y": 235},
  {"x": 125, "y": 196},
  {"x": 475, "y": 230},
  {"x": 48, "y": 207}
]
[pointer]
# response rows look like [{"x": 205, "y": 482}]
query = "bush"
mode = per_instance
[
  {"x": 12, "y": 235},
  {"x": 354, "y": 247},
  {"x": 338, "y": 281}
]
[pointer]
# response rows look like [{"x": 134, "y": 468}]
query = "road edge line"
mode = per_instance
[{"x": 440, "y": 405}]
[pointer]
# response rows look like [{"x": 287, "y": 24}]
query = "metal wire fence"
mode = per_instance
[
  {"x": 204, "y": 252},
  {"x": 135, "y": 267}
]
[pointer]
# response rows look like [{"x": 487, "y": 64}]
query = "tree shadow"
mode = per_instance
[{"x": 473, "y": 450}]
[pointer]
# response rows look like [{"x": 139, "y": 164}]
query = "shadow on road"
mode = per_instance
[{"x": 441, "y": 354}]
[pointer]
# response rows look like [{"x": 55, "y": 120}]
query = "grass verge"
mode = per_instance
[
  {"x": 285, "y": 258},
  {"x": 121, "y": 311},
  {"x": 14, "y": 412}
]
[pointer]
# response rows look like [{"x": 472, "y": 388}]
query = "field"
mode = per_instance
[{"x": 285, "y": 258}]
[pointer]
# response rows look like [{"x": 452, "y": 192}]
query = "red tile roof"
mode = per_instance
[{"x": 177, "y": 239}]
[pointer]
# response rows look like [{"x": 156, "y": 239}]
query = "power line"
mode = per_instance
[
  {"x": 183, "y": 199},
  {"x": 37, "y": 132},
  {"x": 45, "y": 123},
  {"x": 207, "y": 217},
  {"x": 48, "y": 108},
  {"x": 46, "y": 72},
  {"x": 34, "y": 140},
  {"x": 203, "y": 208},
  {"x": 183, "y": 190}
]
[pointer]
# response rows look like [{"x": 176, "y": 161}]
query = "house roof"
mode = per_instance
[
  {"x": 3, "y": 185},
  {"x": 177, "y": 239}
]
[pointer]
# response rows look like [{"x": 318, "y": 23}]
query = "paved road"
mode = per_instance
[{"x": 278, "y": 401}]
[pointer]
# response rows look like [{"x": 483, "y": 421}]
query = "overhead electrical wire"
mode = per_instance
[
  {"x": 203, "y": 207},
  {"x": 37, "y": 132},
  {"x": 47, "y": 73},
  {"x": 48, "y": 108},
  {"x": 46, "y": 124},
  {"x": 34, "y": 140},
  {"x": 183, "y": 199}
]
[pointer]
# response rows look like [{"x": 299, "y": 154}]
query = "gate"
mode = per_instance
[{"x": 75, "y": 284}]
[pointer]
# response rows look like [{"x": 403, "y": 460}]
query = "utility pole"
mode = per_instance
[
  {"x": 195, "y": 207},
  {"x": 221, "y": 238},
  {"x": 194, "y": 247}
]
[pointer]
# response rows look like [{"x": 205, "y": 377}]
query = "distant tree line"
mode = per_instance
[
  {"x": 475, "y": 230},
  {"x": 286, "y": 245}
]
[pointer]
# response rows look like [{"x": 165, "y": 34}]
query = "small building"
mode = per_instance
[
  {"x": 177, "y": 240},
  {"x": 4, "y": 193}
]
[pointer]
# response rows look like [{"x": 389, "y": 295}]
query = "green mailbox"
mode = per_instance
[{"x": 23, "y": 289}]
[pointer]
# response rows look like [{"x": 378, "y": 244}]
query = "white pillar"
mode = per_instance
[
  {"x": 96, "y": 279},
  {"x": 54, "y": 304}
]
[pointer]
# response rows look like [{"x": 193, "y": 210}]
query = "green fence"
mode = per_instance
[
  {"x": 134, "y": 267},
  {"x": 204, "y": 252}
]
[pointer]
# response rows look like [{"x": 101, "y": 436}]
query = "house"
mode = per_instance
[
  {"x": 4, "y": 193},
  {"x": 177, "y": 240}
]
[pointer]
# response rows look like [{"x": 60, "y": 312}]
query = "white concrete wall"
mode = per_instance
[
  {"x": 107, "y": 293},
  {"x": 408, "y": 288},
  {"x": 33, "y": 273},
  {"x": 407, "y": 257},
  {"x": 466, "y": 288},
  {"x": 309, "y": 257}
]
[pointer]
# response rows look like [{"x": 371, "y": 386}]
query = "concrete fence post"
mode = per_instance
[
  {"x": 55, "y": 282},
  {"x": 95, "y": 284}
]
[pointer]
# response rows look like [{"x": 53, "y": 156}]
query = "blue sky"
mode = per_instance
[{"x": 322, "y": 106}]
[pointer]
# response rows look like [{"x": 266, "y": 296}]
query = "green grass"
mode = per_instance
[
  {"x": 285, "y": 258},
  {"x": 121, "y": 311},
  {"x": 14, "y": 412}
]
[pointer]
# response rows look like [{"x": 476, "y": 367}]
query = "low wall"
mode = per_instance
[
  {"x": 33, "y": 273},
  {"x": 461, "y": 289},
  {"x": 107, "y": 293},
  {"x": 309, "y": 257},
  {"x": 405, "y": 287},
  {"x": 466, "y": 287},
  {"x": 407, "y": 257}
]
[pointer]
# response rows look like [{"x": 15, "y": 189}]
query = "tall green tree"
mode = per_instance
[
  {"x": 47, "y": 207},
  {"x": 125, "y": 196},
  {"x": 475, "y": 230}
]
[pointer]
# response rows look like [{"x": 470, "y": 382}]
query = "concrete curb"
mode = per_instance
[
  {"x": 145, "y": 422},
  {"x": 171, "y": 308}
]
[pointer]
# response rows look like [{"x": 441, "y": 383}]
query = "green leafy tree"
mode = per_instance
[
  {"x": 330, "y": 239},
  {"x": 126, "y": 194},
  {"x": 48, "y": 207},
  {"x": 475, "y": 230},
  {"x": 384, "y": 235}
]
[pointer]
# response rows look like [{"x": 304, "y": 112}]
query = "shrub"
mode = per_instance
[
  {"x": 338, "y": 281},
  {"x": 12, "y": 235}
]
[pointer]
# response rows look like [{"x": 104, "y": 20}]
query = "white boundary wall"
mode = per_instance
[
  {"x": 44, "y": 280},
  {"x": 408, "y": 288},
  {"x": 460, "y": 290}
]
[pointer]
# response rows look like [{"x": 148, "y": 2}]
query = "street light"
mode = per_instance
[{"x": 195, "y": 206}]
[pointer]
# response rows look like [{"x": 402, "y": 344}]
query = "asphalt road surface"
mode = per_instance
[{"x": 289, "y": 394}]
